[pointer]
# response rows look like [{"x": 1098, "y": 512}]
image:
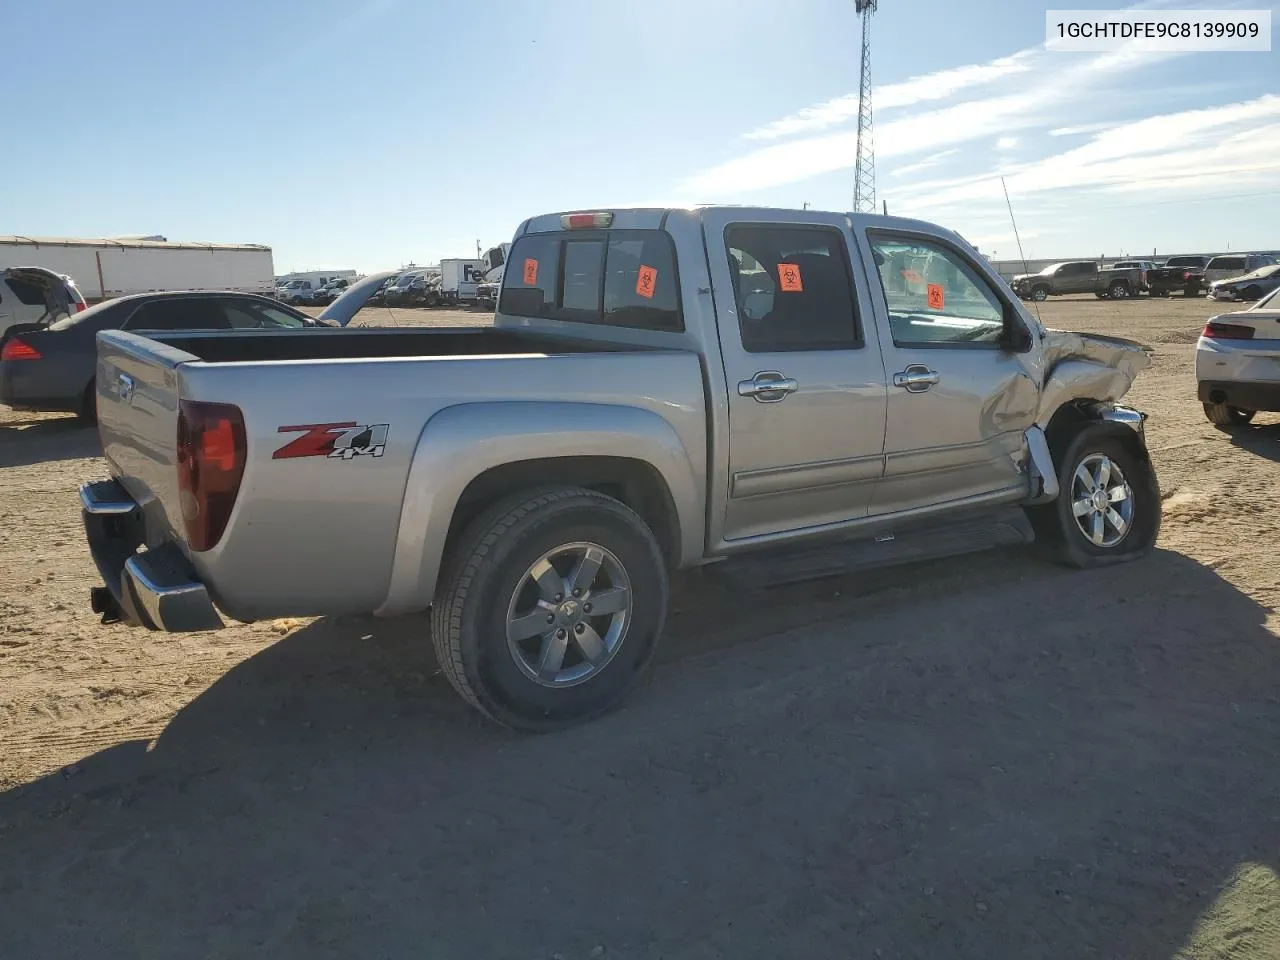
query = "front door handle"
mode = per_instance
[
  {"x": 917, "y": 378},
  {"x": 768, "y": 386}
]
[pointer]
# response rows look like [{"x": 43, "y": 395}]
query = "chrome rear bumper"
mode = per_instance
[{"x": 156, "y": 588}]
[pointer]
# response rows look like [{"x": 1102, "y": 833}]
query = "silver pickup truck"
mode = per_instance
[{"x": 661, "y": 389}]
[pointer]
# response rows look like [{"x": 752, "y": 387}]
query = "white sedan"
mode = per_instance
[{"x": 1238, "y": 363}]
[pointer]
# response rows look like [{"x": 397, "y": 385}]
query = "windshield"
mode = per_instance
[
  {"x": 1260, "y": 274},
  {"x": 1226, "y": 263},
  {"x": 294, "y": 284},
  {"x": 1184, "y": 262},
  {"x": 1049, "y": 269}
]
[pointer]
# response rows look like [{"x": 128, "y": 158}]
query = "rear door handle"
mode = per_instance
[
  {"x": 768, "y": 386},
  {"x": 917, "y": 378}
]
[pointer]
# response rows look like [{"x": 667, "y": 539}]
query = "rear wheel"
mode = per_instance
[
  {"x": 550, "y": 608},
  {"x": 1108, "y": 506},
  {"x": 88, "y": 409},
  {"x": 1118, "y": 291},
  {"x": 1222, "y": 415}
]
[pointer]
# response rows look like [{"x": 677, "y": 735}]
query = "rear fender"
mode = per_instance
[{"x": 460, "y": 443}]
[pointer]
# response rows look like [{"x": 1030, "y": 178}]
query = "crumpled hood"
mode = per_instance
[{"x": 1088, "y": 366}]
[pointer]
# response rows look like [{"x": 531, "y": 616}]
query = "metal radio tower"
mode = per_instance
[{"x": 864, "y": 178}]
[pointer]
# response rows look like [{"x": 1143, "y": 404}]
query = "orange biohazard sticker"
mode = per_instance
[
  {"x": 789, "y": 278},
  {"x": 936, "y": 298},
  {"x": 646, "y": 281},
  {"x": 530, "y": 272},
  {"x": 911, "y": 276}
]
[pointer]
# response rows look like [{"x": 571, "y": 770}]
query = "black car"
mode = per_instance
[{"x": 51, "y": 367}]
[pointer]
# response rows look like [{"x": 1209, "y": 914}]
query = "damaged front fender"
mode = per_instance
[{"x": 1080, "y": 366}]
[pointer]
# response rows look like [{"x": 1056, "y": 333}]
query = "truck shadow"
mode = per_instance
[
  {"x": 27, "y": 442},
  {"x": 976, "y": 757},
  {"x": 1262, "y": 440}
]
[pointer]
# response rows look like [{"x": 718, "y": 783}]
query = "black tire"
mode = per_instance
[
  {"x": 1221, "y": 415},
  {"x": 1102, "y": 295},
  {"x": 1040, "y": 294},
  {"x": 485, "y": 571},
  {"x": 1159, "y": 292},
  {"x": 88, "y": 409},
  {"x": 1118, "y": 291},
  {"x": 1060, "y": 539},
  {"x": 1251, "y": 293}
]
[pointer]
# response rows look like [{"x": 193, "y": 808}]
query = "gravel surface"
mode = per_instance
[{"x": 981, "y": 757}]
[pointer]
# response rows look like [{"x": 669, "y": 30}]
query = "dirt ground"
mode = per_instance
[{"x": 981, "y": 757}]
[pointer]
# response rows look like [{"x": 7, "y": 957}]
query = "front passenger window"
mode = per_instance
[{"x": 933, "y": 296}]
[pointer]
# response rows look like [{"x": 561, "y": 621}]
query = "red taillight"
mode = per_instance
[
  {"x": 16, "y": 349},
  {"x": 211, "y": 456},
  {"x": 1186, "y": 274},
  {"x": 80, "y": 306},
  {"x": 585, "y": 221},
  {"x": 1227, "y": 331}
]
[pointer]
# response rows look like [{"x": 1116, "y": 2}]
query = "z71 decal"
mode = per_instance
[{"x": 337, "y": 441}]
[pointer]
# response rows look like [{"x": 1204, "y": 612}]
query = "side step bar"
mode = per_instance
[{"x": 1001, "y": 528}]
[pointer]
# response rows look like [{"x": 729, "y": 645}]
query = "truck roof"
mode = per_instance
[{"x": 653, "y": 218}]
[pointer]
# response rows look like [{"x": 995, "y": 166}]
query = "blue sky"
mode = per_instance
[{"x": 374, "y": 132}]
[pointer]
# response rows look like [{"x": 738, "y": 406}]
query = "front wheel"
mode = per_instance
[
  {"x": 1251, "y": 293},
  {"x": 1040, "y": 294},
  {"x": 550, "y": 608},
  {"x": 1108, "y": 505},
  {"x": 1221, "y": 415}
]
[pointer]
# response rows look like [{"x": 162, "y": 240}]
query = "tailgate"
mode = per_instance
[{"x": 138, "y": 421}]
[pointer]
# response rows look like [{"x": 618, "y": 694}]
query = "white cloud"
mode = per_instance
[
  {"x": 1080, "y": 129},
  {"x": 930, "y": 161},
  {"x": 1006, "y": 143},
  {"x": 929, "y": 86},
  {"x": 1235, "y": 146}
]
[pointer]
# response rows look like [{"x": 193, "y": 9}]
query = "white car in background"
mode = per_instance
[{"x": 1238, "y": 363}]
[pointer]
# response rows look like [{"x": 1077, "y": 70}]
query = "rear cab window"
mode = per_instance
[{"x": 619, "y": 278}]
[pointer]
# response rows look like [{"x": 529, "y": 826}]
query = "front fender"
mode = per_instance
[
  {"x": 460, "y": 443},
  {"x": 1087, "y": 367}
]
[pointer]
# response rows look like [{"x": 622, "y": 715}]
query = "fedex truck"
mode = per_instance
[{"x": 459, "y": 280}]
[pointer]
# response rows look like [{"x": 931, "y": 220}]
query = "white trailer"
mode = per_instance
[
  {"x": 111, "y": 268},
  {"x": 459, "y": 279}
]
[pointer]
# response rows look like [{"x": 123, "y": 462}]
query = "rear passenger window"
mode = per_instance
[
  {"x": 620, "y": 278},
  {"x": 793, "y": 289}
]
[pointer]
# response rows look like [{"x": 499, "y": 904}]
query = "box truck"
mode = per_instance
[
  {"x": 459, "y": 279},
  {"x": 107, "y": 268}
]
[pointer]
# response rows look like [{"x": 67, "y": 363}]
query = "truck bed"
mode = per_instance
[
  {"x": 405, "y": 386},
  {"x": 244, "y": 346}
]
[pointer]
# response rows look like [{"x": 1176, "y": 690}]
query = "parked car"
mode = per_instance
[
  {"x": 1251, "y": 286},
  {"x": 51, "y": 367},
  {"x": 34, "y": 295},
  {"x": 296, "y": 291},
  {"x": 331, "y": 291},
  {"x": 1178, "y": 273},
  {"x": 401, "y": 291},
  {"x": 1232, "y": 265},
  {"x": 1238, "y": 363},
  {"x": 1078, "y": 276},
  {"x": 1142, "y": 266},
  {"x": 659, "y": 390}
]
